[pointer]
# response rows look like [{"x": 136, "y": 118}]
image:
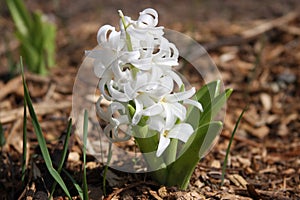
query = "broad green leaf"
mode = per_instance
[
  {"x": 41, "y": 139},
  {"x": 208, "y": 92},
  {"x": 204, "y": 95},
  {"x": 180, "y": 171},
  {"x": 147, "y": 142},
  {"x": 214, "y": 107}
]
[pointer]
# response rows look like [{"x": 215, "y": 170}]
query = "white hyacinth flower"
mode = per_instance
[
  {"x": 134, "y": 66},
  {"x": 170, "y": 107},
  {"x": 117, "y": 119},
  {"x": 180, "y": 131}
]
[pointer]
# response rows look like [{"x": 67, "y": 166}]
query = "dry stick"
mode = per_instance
[
  {"x": 253, "y": 33},
  {"x": 293, "y": 30},
  {"x": 10, "y": 87},
  {"x": 14, "y": 84},
  {"x": 14, "y": 137},
  {"x": 43, "y": 108}
]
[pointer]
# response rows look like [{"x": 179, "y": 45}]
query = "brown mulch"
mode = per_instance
[{"x": 256, "y": 47}]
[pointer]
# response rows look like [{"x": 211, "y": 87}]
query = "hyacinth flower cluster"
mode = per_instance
[{"x": 147, "y": 98}]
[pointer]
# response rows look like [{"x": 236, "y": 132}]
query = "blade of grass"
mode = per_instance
[
  {"x": 76, "y": 185},
  {"x": 2, "y": 138},
  {"x": 41, "y": 139},
  {"x": 229, "y": 145},
  {"x": 106, "y": 167},
  {"x": 24, "y": 142},
  {"x": 85, "y": 131},
  {"x": 20, "y": 15},
  {"x": 63, "y": 156}
]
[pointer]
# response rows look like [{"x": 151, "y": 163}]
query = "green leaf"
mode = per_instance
[
  {"x": 147, "y": 142},
  {"x": 205, "y": 95},
  {"x": 208, "y": 92},
  {"x": 36, "y": 36},
  {"x": 180, "y": 171},
  {"x": 85, "y": 131},
  {"x": 211, "y": 102},
  {"x": 63, "y": 155},
  {"x": 212, "y": 109},
  {"x": 2, "y": 138},
  {"x": 41, "y": 139},
  {"x": 76, "y": 185},
  {"x": 229, "y": 144},
  {"x": 20, "y": 15},
  {"x": 24, "y": 153},
  {"x": 49, "y": 35}
]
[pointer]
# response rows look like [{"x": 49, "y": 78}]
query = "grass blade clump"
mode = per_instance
[
  {"x": 41, "y": 139},
  {"x": 76, "y": 185},
  {"x": 63, "y": 155},
  {"x": 36, "y": 36}
]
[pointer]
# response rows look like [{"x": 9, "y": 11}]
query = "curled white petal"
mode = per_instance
[
  {"x": 104, "y": 33},
  {"x": 148, "y": 17},
  {"x": 138, "y": 108}
]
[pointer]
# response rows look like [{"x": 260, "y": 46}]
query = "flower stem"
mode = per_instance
[
  {"x": 128, "y": 42},
  {"x": 128, "y": 39}
]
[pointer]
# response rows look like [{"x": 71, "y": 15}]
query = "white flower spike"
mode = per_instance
[{"x": 134, "y": 66}]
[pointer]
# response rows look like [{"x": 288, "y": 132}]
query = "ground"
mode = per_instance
[{"x": 256, "y": 46}]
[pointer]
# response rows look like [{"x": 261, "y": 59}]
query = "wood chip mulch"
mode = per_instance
[{"x": 260, "y": 61}]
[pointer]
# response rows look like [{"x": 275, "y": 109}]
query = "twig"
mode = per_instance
[
  {"x": 14, "y": 84},
  {"x": 251, "y": 34},
  {"x": 43, "y": 108},
  {"x": 10, "y": 87},
  {"x": 14, "y": 137},
  {"x": 293, "y": 30}
]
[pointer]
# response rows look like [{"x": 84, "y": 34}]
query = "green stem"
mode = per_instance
[
  {"x": 85, "y": 132},
  {"x": 128, "y": 39},
  {"x": 24, "y": 143}
]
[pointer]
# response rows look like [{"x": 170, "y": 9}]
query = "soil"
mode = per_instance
[{"x": 256, "y": 46}]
